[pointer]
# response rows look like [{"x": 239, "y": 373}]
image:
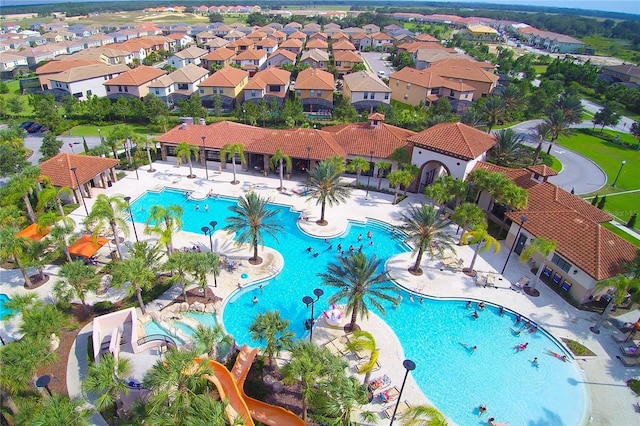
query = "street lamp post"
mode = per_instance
[
  {"x": 523, "y": 219},
  {"x": 204, "y": 154},
  {"x": 619, "y": 171},
  {"x": 43, "y": 382},
  {"x": 244, "y": 116},
  {"x": 369, "y": 177},
  {"x": 308, "y": 165},
  {"x": 133, "y": 222},
  {"x": 73, "y": 169},
  {"x": 209, "y": 231},
  {"x": 408, "y": 366},
  {"x": 99, "y": 136},
  {"x": 308, "y": 300}
]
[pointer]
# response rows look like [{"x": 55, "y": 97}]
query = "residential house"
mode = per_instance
[
  {"x": 553, "y": 42},
  {"x": 413, "y": 87},
  {"x": 295, "y": 25},
  {"x": 361, "y": 41},
  {"x": 292, "y": 45},
  {"x": 279, "y": 36},
  {"x": 135, "y": 48},
  {"x": 234, "y": 35},
  {"x": 205, "y": 36},
  {"x": 423, "y": 58},
  {"x": 413, "y": 47},
  {"x": 179, "y": 41},
  {"x": 314, "y": 87},
  {"x": 227, "y": 83},
  {"x": 35, "y": 55},
  {"x": 381, "y": 41},
  {"x": 315, "y": 58},
  {"x": 391, "y": 29},
  {"x": 133, "y": 83},
  {"x": 311, "y": 28},
  {"x": 190, "y": 55},
  {"x": 280, "y": 57},
  {"x": 241, "y": 44},
  {"x": 331, "y": 26},
  {"x": 403, "y": 38},
  {"x": 298, "y": 36},
  {"x": 104, "y": 39},
  {"x": 371, "y": 29},
  {"x": 365, "y": 90},
  {"x": 343, "y": 45},
  {"x": 317, "y": 44},
  {"x": 339, "y": 36},
  {"x": 269, "y": 45},
  {"x": 276, "y": 25},
  {"x": 178, "y": 85},
  {"x": 622, "y": 73},
  {"x": 107, "y": 55},
  {"x": 256, "y": 36},
  {"x": 319, "y": 36},
  {"x": 84, "y": 81},
  {"x": 90, "y": 43},
  {"x": 9, "y": 62},
  {"x": 218, "y": 58},
  {"x": 251, "y": 60},
  {"x": 350, "y": 31},
  {"x": 269, "y": 83},
  {"x": 215, "y": 43},
  {"x": 427, "y": 38},
  {"x": 345, "y": 60},
  {"x": 222, "y": 30},
  {"x": 473, "y": 73}
]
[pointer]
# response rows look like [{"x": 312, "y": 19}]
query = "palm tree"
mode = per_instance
[
  {"x": 174, "y": 382},
  {"x": 512, "y": 100},
  {"x": 467, "y": 216},
  {"x": 60, "y": 410},
  {"x": 137, "y": 274},
  {"x": 364, "y": 341},
  {"x": 542, "y": 246},
  {"x": 108, "y": 212},
  {"x": 427, "y": 231},
  {"x": 149, "y": 253},
  {"x": 542, "y": 132},
  {"x": 36, "y": 256},
  {"x": 382, "y": 166},
  {"x": 410, "y": 173},
  {"x": 164, "y": 222},
  {"x": 208, "y": 338},
  {"x": 201, "y": 411},
  {"x": 61, "y": 228},
  {"x": 621, "y": 285},
  {"x": 572, "y": 107},
  {"x": 508, "y": 147},
  {"x": 325, "y": 187},
  {"x": 558, "y": 124},
  {"x": 633, "y": 267},
  {"x": 483, "y": 241},
  {"x": 473, "y": 117},
  {"x": 106, "y": 379},
  {"x": 203, "y": 263},
  {"x": 423, "y": 415},
  {"x": 50, "y": 193},
  {"x": 20, "y": 186},
  {"x": 493, "y": 112},
  {"x": 396, "y": 178},
  {"x": 184, "y": 150},
  {"x": 438, "y": 193},
  {"x": 360, "y": 284},
  {"x": 80, "y": 278},
  {"x": 253, "y": 219},
  {"x": 269, "y": 327},
  {"x": 13, "y": 248},
  {"x": 231, "y": 150},
  {"x": 280, "y": 160},
  {"x": 179, "y": 263},
  {"x": 358, "y": 166},
  {"x": 336, "y": 401}
]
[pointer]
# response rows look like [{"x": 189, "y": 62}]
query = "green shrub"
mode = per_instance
[
  {"x": 634, "y": 384},
  {"x": 102, "y": 307},
  {"x": 577, "y": 349}
]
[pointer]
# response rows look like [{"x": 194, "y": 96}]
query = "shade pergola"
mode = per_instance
[
  {"x": 32, "y": 233},
  {"x": 86, "y": 246}
]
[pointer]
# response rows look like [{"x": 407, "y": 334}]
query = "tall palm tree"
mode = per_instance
[
  {"x": 396, "y": 178},
  {"x": 251, "y": 221},
  {"x": 382, "y": 166},
  {"x": 621, "y": 285},
  {"x": 107, "y": 211},
  {"x": 508, "y": 147},
  {"x": 13, "y": 248},
  {"x": 59, "y": 410},
  {"x": 106, "y": 380},
  {"x": 558, "y": 123},
  {"x": 512, "y": 99},
  {"x": 231, "y": 150},
  {"x": 336, "y": 402},
  {"x": 541, "y": 132},
  {"x": 473, "y": 117},
  {"x": 60, "y": 227},
  {"x": 179, "y": 263},
  {"x": 37, "y": 257},
  {"x": 483, "y": 241},
  {"x": 208, "y": 338},
  {"x": 364, "y": 341},
  {"x": 467, "y": 216},
  {"x": 50, "y": 193},
  {"x": 409, "y": 174},
  {"x": 148, "y": 252},
  {"x": 423, "y": 415},
  {"x": 164, "y": 222},
  {"x": 184, "y": 150},
  {"x": 426, "y": 229},
  {"x": 202, "y": 264},
  {"x": 572, "y": 107},
  {"x": 22, "y": 185},
  {"x": 543, "y": 247},
  {"x": 11, "y": 216},
  {"x": 174, "y": 382},
  {"x": 80, "y": 278},
  {"x": 269, "y": 327},
  {"x": 359, "y": 284},
  {"x": 493, "y": 112},
  {"x": 201, "y": 411},
  {"x": 325, "y": 187},
  {"x": 358, "y": 166},
  {"x": 139, "y": 276},
  {"x": 280, "y": 160},
  {"x": 438, "y": 193}
]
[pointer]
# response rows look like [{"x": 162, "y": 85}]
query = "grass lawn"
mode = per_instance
[
  {"x": 612, "y": 47},
  {"x": 609, "y": 157},
  {"x": 14, "y": 86},
  {"x": 587, "y": 116},
  {"x": 540, "y": 69},
  {"x": 622, "y": 234},
  {"x": 92, "y": 130}
]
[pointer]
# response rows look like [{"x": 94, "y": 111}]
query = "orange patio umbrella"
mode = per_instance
[
  {"x": 86, "y": 246},
  {"x": 32, "y": 233}
]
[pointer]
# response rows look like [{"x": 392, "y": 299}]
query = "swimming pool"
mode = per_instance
[
  {"x": 4, "y": 310},
  {"x": 432, "y": 333}
]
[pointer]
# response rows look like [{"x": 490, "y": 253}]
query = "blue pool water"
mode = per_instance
[
  {"x": 432, "y": 333},
  {"x": 3, "y": 310}
]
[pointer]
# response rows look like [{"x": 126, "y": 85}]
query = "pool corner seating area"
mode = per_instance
[{"x": 442, "y": 279}]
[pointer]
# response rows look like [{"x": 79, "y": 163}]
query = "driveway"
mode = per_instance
[{"x": 375, "y": 62}]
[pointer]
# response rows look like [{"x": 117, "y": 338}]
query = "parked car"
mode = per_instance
[
  {"x": 26, "y": 124},
  {"x": 35, "y": 128}
]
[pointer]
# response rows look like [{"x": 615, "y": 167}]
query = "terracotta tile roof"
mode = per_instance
[
  {"x": 456, "y": 68},
  {"x": 454, "y": 139},
  {"x": 313, "y": 78},
  {"x": 221, "y": 54},
  {"x": 417, "y": 45},
  {"x": 191, "y": 53},
  {"x": 521, "y": 177},
  {"x": 251, "y": 55},
  {"x": 136, "y": 77},
  {"x": 426, "y": 37},
  {"x": 289, "y": 55},
  {"x": 188, "y": 74},
  {"x": 382, "y": 37},
  {"x": 315, "y": 55},
  {"x": 360, "y": 36},
  {"x": 435, "y": 55},
  {"x": 376, "y": 116},
  {"x": 317, "y": 44},
  {"x": 278, "y": 34},
  {"x": 257, "y": 35},
  {"x": 292, "y": 43},
  {"x": 225, "y": 77},
  {"x": 542, "y": 170},
  {"x": 361, "y": 138},
  {"x": 90, "y": 71},
  {"x": 59, "y": 66},
  {"x": 244, "y": 41},
  {"x": 427, "y": 78},
  {"x": 267, "y": 42},
  {"x": 365, "y": 81},
  {"x": 162, "y": 82},
  {"x": 319, "y": 35},
  {"x": 58, "y": 168},
  {"x": 343, "y": 45},
  {"x": 339, "y": 36},
  {"x": 298, "y": 35},
  {"x": 347, "y": 56}
]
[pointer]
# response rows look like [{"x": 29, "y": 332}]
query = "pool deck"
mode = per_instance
[{"x": 612, "y": 402}]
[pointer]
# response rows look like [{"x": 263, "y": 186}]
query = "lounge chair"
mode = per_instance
[
  {"x": 520, "y": 284},
  {"x": 630, "y": 350},
  {"x": 362, "y": 362},
  {"x": 379, "y": 383},
  {"x": 338, "y": 346},
  {"x": 402, "y": 408},
  {"x": 389, "y": 395},
  {"x": 629, "y": 362}
]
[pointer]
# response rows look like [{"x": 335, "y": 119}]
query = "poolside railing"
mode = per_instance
[{"x": 157, "y": 337}]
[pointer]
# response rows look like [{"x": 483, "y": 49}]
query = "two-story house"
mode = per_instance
[
  {"x": 382, "y": 41},
  {"x": 314, "y": 87},
  {"x": 345, "y": 60},
  {"x": 267, "y": 84},
  {"x": 292, "y": 45},
  {"x": 361, "y": 41},
  {"x": 227, "y": 83},
  {"x": 218, "y": 58},
  {"x": 133, "y": 83},
  {"x": 315, "y": 58},
  {"x": 251, "y": 60},
  {"x": 365, "y": 91},
  {"x": 241, "y": 44},
  {"x": 84, "y": 81},
  {"x": 178, "y": 85},
  {"x": 317, "y": 44},
  {"x": 268, "y": 44},
  {"x": 474, "y": 73},
  {"x": 190, "y": 55},
  {"x": 215, "y": 43},
  {"x": 280, "y": 57},
  {"x": 342, "y": 45}
]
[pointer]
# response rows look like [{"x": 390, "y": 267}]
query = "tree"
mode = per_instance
[
  {"x": 216, "y": 101},
  {"x": 473, "y": 117},
  {"x": 107, "y": 212},
  {"x": 232, "y": 150},
  {"x": 139, "y": 276},
  {"x": 541, "y": 132},
  {"x": 543, "y": 247},
  {"x": 358, "y": 283},
  {"x": 117, "y": 138},
  {"x": 493, "y": 112},
  {"x": 280, "y": 160},
  {"x": 396, "y": 178},
  {"x": 631, "y": 223},
  {"x": 45, "y": 111},
  {"x": 633, "y": 267},
  {"x": 401, "y": 156},
  {"x": 3, "y": 107},
  {"x": 336, "y": 401},
  {"x": 364, "y": 341},
  {"x": 50, "y": 146},
  {"x": 184, "y": 150},
  {"x": 271, "y": 329},
  {"x": 263, "y": 112},
  {"x": 513, "y": 100},
  {"x": 468, "y": 216},
  {"x": 178, "y": 263},
  {"x": 427, "y": 231},
  {"x": 423, "y": 415},
  {"x": 619, "y": 287},
  {"x": 192, "y": 107},
  {"x": 13, "y": 154},
  {"x": 602, "y": 202},
  {"x": 13, "y": 248},
  {"x": 607, "y": 116},
  {"x": 121, "y": 108},
  {"x": 483, "y": 241},
  {"x": 635, "y": 130},
  {"x": 508, "y": 147},
  {"x": 358, "y": 166},
  {"x": 594, "y": 200},
  {"x": 325, "y": 187},
  {"x": 59, "y": 410},
  {"x": 215, "y": 17},
  {"x": 15, "y": 105},
  {"x": 78, "y": 280},
  {"x": 106, "y": 378},
  {"x": 382, "y": 167},
  {"x": 252, "y": 219},
  {"x": 208, "y": 338},
  {"x": 292, "y": 112},
  {"x": 558, "y": 124},
  {"x": 22, "y": 185},
  {"x": 154, "y": 107},
  {"x": 202, "y": 264},
  {"x": 164, "y": 222},
  {"x": 37, "y": 257}
]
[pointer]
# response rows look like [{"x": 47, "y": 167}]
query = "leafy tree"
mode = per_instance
[
  {"x": 216, "y": 17},
  {"x": 344, "y": 111},
  {"x": 396, "y": 178},
  {"x": 336, "y": 401},
  {"x": 139, "y": 276},
  {"x": 594, "y": 200},
  {"x": 4, "y": 89},
  {"x": 542, "y": 132},
  {"x": 635, "y": 130},
  {"x": 602, "y": 202},
  {"x": 358, "y": 283},
  {"x": 178, "y": 263},
  {"x": 154, "y": 107},
  {"x": 271, "y": 329},
  {"x": 483, "y": 241},
  {"x": 22, "y": 185},
  {"x": 558, "y": 124},
  {"x": 78, "y": 280},
  {"x": 216, "y": 100},
  {"x": 117, "y": 138},
  {"x": 233, "y": 150},
  {"x": 107, "y": 212},
  {"x": 50, "y": 146},
  {"x": 508, "y": 148},
  {"x": 607, "y": 116},
  {"x": 3, "y": 107},
  {"x": 541, "y": 246},
  {"x": 252, "y": 219},
  {"x": 292, "y": 112},
  {"x": 280, "y": 160},
  {"x": 263, "y": 112},
  {"x": 15, "y": 105},
  {"x": 473, "y": 117},
  {"x": 13, "y": 154},
  {"x": 401, "y": 156},
  {"x": 45, "y": 111},
  {"x": 13, "y": 248},
  {"x": 427, "y": 231},
  {"x": 423, "y": 415},
  {"x": 364, "y": 341},
  {"x": 164, "y": 222},
  {"x": 192, "y": 107},
  {"x": 202, "y": 264},
  {"x": 184, "y": 150},
  {"x": 325, "y": 187},
  {"x": 619, "y": 287},
  {"x": 106, "y": 378},
  {"x": 468, "y": 216},
  {"x": 121, "y": 108}
]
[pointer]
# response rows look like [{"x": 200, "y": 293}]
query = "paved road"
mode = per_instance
[
  {"x": 623, "y": 126},
  {"x": 34, "y": 141},
  {"x": 376, "y": 63}
]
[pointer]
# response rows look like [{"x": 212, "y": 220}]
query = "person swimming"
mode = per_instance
[
  {"x": 481, "y": 305},
  {"x": 501, "y": 310},
  {"x": 475, "y": 315},
  {"x": 468, "y": 305},
  {"x": 339, "y": 246},
  {"x": 316, "y": 254},
  {"x": 309, "y": 249}
]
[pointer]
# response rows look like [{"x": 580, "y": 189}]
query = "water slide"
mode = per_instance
[{"x": 230, "y": 386}]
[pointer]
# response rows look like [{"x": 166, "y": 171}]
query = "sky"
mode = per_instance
[{"x": 626, "y": 6}]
